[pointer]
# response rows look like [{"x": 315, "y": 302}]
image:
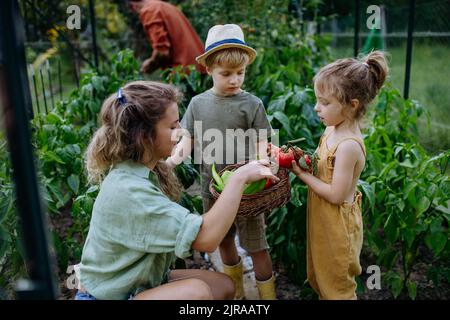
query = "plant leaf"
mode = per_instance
[
  {"x": 422, "y": 205},
  {"x": 368, "y": 191},
  {"x": 74, "y": 183},
  {"x": 436, "y": 242},
  {"x": 396, "y": 285},
  {"x": 284, "y": 120},
  {"x": 412, "y": 289}
]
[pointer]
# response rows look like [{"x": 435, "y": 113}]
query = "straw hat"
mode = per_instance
[{"x": 222, "y": 37}]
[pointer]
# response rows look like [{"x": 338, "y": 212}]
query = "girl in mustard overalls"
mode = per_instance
[{"x": 334, "y": 224}]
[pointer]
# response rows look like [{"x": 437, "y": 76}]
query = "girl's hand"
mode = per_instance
[
  {"x": 297, "y": 170},
  {"x": 255, "y": 171}
]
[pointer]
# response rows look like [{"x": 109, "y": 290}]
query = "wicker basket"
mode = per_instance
[{"x": 262, "y": 202}]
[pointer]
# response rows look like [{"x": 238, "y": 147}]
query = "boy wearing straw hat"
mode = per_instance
[{"x": 227, "y": 109}]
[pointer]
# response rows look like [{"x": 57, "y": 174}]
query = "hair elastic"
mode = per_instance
[{"x": 121, "y": 97}]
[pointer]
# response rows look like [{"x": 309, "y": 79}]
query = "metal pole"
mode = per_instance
[
  {"x": 94, "y": 38},
  {"x": 49, "y": 74},
  {"x": 33, "y": 75},
  {"x": 15, "y": 98},
  {"x": 34, "y": 24},
  {"x": 357, "y": 26},
  {"x": 383, "y": 25},
  {"x": 59, "y": 80},
  {"x": 302, "y": 21},
  {"x": 412, "y": 10},
  {"x": 75, "y": 65},
  {"x": 43, "y": 90},
  {"x": 25, "y": 14}
]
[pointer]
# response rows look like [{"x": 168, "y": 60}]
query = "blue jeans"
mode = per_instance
[
  {"x": 84, "y": 296},
  {"x": 87, "y": 296}
]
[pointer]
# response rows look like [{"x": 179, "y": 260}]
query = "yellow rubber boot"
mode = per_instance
[
  {"x": 266, "y": 289},
  {"x": 237, "y": 275}
]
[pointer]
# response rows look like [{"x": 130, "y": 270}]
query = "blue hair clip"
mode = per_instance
[{"x": 120, "y": 97}]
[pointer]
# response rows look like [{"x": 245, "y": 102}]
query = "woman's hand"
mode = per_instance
[
  {"x": 218, "y": 220},
  {"x": 255, "y": 171}
]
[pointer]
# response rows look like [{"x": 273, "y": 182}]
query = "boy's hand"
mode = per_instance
[
  {"x": 272, "y": 150},
  {"x": 170, "y": 163}
]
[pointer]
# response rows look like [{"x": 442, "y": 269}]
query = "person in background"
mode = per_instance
[{"x": 173, "y": 39}]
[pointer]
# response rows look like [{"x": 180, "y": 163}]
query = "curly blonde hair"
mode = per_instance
[{"x": 128, "y": 130}]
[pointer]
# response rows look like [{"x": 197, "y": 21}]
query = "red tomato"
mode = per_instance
[
  {"x": 285, "y": 157},
  {"x": 268, "y": 184},
  {"x": 308, "y": 160}
]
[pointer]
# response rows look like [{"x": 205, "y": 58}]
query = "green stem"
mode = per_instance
[
  {"x": 297, "y": 140},
  {"x": 405, "y": 267},
  {"x": 443, "y": 170}
]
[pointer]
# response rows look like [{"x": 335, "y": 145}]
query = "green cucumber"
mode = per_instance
[
  {"x": 255, "y": 187},
  {"x": 226, "y": 176},
  {"x": 217, "y": 178}
]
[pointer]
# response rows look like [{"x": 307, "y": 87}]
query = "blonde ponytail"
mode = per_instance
[{"x": 348, "y": 79}]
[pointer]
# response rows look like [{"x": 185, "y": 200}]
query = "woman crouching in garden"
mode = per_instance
[{"x": 137, "y": 227}]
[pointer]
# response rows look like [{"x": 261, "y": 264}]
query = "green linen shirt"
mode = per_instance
[{"x": 134, "y": 235}]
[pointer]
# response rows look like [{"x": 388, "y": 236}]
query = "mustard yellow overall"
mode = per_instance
[{"x": 334, "y": 235}]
